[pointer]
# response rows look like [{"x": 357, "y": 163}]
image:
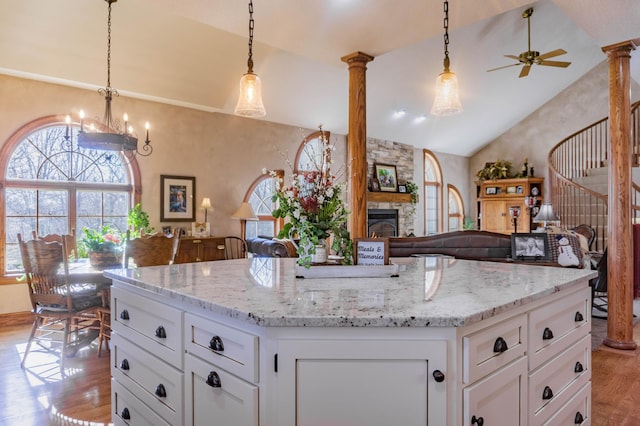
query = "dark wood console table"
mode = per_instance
[{"x": 200, "y": 249}]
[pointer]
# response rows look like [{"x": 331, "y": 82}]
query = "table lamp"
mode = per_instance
[
  {"x": 545, "y": 215},
  {"x": 206, "y": 205},
  {"x": 244, "y": 213}
]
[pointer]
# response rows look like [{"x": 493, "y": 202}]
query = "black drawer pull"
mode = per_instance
[
  {"x": 124, "y": 315},
  {"x": 161, "y": 333},
  {"x": 500, "y": 345},
  {"x": 477, "y": 420},
  {"x": 578, "y": 368},
  {"x": 161, "y": 391},
  {"x": 213, "y": 380},
  {"x": 547, "y": 393},
  {"x": 216, "y": 344},
  {"x": 579, "y": 317},
  {"x": 124, "y": 365},
  {"x": 125, "y": 414},
  {"x": 438, "y": 376},
  {"x": 578, "y": 419},
  {"x": 547, "y": 334}
]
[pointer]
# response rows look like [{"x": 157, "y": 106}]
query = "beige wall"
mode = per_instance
[{"x": 581, "y": 104}]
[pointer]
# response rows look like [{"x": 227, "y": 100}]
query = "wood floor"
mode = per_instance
[{"x": 39, "y": 395}]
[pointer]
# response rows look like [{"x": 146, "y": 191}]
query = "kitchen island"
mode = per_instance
[{"x": 447, "y": 342}]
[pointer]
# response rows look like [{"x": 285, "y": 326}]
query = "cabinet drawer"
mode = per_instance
[
  {"x": 238, "y": 350},
  {"x": 557, "y": 325},
  {"x": 578, "y": 407},
  {"x": 156, "y": 383},
  {"x": 123, "y": 401},
  {"x": 499, "y": 398},
  {"x": 232, "y": 402},
  {"x": 488, "y": 350},
  {"x": 154, "y": 326},
  {"x": 559, "y": 380}
]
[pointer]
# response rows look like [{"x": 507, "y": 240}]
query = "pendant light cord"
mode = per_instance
[{"x": 251, "y": 24}]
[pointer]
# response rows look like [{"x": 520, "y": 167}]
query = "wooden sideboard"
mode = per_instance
[
  {"x": 495, "y": 199},
  {"x": 200, "y": 249}
]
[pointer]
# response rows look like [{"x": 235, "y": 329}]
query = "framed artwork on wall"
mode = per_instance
[
  {"x": 177, "y": 198},
  {"x": 387, "y": 177}
]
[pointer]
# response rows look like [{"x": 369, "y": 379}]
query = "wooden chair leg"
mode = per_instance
[{"x": 30, "y": 341}]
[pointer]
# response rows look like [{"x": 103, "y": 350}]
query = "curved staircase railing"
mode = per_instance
[{"x": 574, "y": 162}]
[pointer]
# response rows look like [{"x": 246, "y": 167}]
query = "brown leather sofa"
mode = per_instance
[
  {"x": 268, "y": 247},
  {"x": 474, "y": 245}
]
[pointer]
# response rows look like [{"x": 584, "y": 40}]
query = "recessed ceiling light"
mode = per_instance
[{"x": 400, "y": 113}]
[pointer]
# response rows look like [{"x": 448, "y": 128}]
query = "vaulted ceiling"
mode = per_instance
[{"x": 193, "y": 52}]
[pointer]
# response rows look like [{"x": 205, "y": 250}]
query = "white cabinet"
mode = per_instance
[{"x": 362, "y": 382}]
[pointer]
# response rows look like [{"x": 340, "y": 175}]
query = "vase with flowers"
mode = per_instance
[
  {"x": 104, "y": 246},
  {"x": 314, "y": 210}
]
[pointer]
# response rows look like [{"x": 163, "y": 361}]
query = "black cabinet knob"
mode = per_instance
[
  {"x": 578, "y": 419},
  {"x": 124, "y": 315},
  {"x": 124, "y": 365},
  {"x": 500, "y": 345},
  {"x": 161, "y": 391},
  {"x": 579, "y": 317},
  {"x": 547, "y": 334},
  {"x": 438, "y": 376},
  {"x": 477, "y": 420},
  {"x": 213, "y": 380},
  {"x": 578, "y": 368},
  {"x": 216, "y": 344},
  {"x": 125, "y": 414},
  {"x": 547, "y": 393},
  {"x": 161, "y": 333}
]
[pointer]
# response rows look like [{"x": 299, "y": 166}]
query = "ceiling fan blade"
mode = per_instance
[
  {"x": 512, "y": 57},
  {"x": 555, "y": 63},
  {"x": 505, "y": 66},
  {"x": 551, "y": 54},
  {"x": 525, "y": 71}
]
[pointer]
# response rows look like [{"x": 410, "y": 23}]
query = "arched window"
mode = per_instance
[
  {"x": 259, "y": 196},
  {"x": 432, "y": 194},
  {"x": 456, "y": 209},
  {"x": 50, "y": 185}
]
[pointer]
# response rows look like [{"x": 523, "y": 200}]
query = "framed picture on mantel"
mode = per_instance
[{"x": 387, "y": 177}]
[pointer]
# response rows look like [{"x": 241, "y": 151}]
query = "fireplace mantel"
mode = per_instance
[{"x": 388, "y": 197}]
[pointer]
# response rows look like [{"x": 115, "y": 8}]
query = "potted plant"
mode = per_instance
[
  {"x": 501, "y": 169},
  {"x": 138, "y": 221},
  {"x": 104, "y": 246}
]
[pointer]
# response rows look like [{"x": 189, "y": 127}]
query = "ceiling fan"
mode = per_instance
[{"x": 530, "y": 57}]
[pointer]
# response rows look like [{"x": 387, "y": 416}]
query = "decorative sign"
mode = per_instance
[{"x": 371, "y": 251}]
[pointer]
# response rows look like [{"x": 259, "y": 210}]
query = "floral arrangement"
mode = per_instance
[
  {"x": 501, "y": 169},
  {"x": 314, "y": 208},
  {"x": 107, "y": 239}
]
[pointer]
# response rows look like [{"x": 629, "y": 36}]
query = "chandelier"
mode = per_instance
[
  {"x": 446, "y": 101},
  {"x": 250, "y": 99},
  {"x": 110, "y": 135}
]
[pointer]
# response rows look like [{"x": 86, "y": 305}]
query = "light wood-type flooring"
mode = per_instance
[{"x": 40, "y": 395}]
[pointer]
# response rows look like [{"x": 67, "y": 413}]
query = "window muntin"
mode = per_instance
[
  {"x": 260, "y": 199},
  {"x": 432, "y": 194},
  {"x": 456, "y": 209}
]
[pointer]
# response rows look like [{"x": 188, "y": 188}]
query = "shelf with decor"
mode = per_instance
[
  {"x": 388, "y": 197},
  {"x": 500, "y": 199}
]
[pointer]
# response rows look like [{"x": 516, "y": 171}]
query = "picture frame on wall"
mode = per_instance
[
  {"x": 177, "y": 198},
  {"x": 387, "y": 176}
]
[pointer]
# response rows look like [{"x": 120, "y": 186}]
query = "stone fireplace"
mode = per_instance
[{"x": 382, "y": 222}]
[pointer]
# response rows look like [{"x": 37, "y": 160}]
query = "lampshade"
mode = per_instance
[
  {"x": 245, "y": 212},
  {"x": 545, "y": 214},
  {"x": 446, "y": 101},
  {"x": 206, "y": 203}
]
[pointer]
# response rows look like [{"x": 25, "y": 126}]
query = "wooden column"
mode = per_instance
[
  {"x": 620, "y": 245},
  {"x": 357, "y": 143}
]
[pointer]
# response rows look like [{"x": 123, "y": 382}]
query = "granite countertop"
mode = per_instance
[{"x": 429, "y": 292}]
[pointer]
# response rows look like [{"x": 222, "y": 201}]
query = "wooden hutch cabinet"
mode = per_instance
[
  {"x": 497, "y": 199},
  {"x": 200, "y": 249}
]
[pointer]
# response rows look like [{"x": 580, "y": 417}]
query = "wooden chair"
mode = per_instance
[
  {"x": 599, "y": 289},
  {"x": 150, "y": 250},
  {"x": 70, "y": 240},
  {"x": 587, "y": 231},
  {"x": 104, "y": 316},
  {"x": 235, "y": 248},
  {"x": 58, "y": 306}
]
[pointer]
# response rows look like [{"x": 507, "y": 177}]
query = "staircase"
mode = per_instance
[{"x": 578, "y": 176}]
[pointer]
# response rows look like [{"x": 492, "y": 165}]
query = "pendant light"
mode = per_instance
[
  {"x": 446, "y": 101},
  {"x": 250, "y": 99}
]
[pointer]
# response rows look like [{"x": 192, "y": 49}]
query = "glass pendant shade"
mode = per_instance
[
  {"x": 446, "y": 101},
  {"x": 250, "y": 99}
]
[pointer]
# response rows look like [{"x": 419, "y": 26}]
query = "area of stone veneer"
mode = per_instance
[{"x": 400, "y": 155}]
